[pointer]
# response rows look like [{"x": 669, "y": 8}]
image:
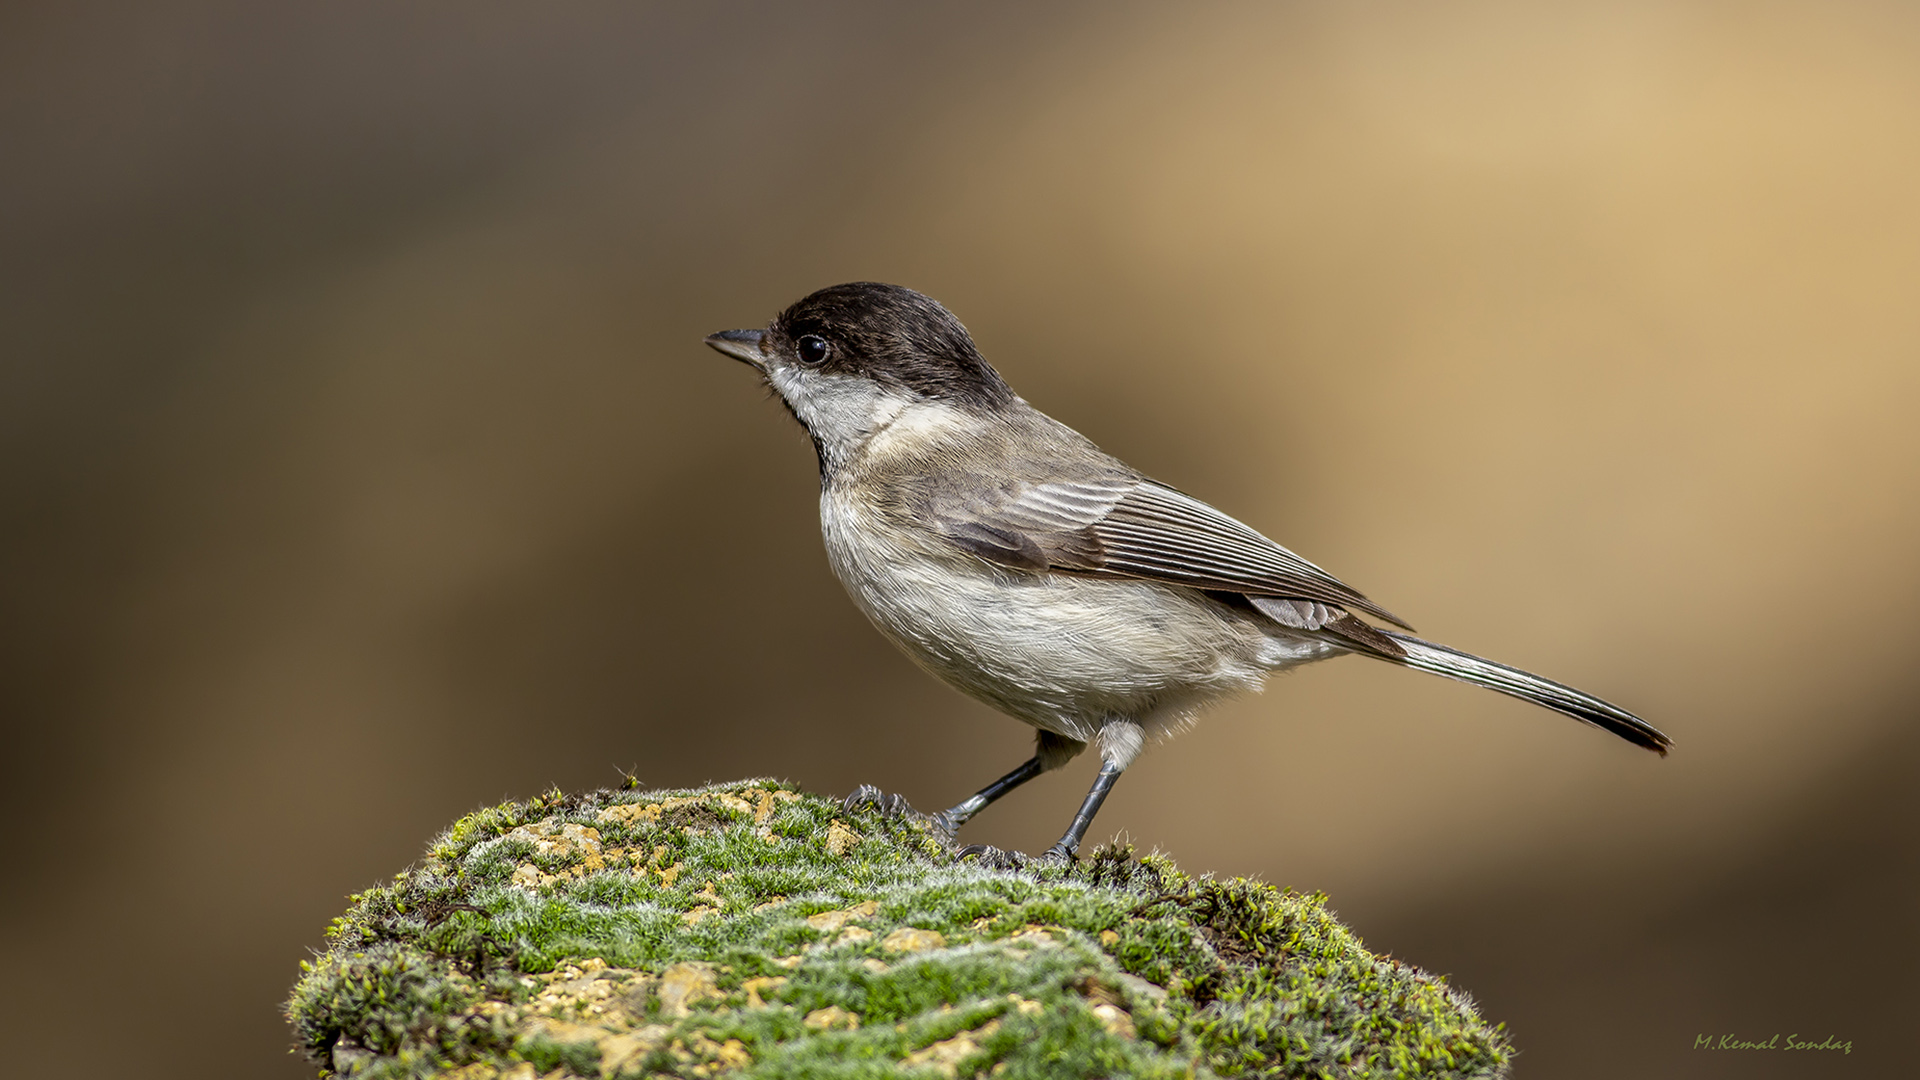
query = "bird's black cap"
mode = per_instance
[{"x": 894, "y": 336}]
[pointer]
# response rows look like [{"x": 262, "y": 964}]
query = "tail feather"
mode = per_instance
[{"x": 1454, "y": 664}]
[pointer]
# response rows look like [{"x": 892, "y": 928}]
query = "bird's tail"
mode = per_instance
[{"x": 1454, "y": 664}]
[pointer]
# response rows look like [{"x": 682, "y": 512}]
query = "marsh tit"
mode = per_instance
[{"x": 1007, "y": 554}]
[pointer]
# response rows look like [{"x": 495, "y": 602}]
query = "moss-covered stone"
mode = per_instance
[{"x": 752, "y": 931}]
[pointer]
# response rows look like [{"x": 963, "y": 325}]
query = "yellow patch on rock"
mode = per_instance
[
  {"x": 1034, "y": 935},
  {"x": 566, "y": 1032},
  {"x": 617, "y": 1048},
  {"x": 700, "y": 1056},
  {"x": 834, "y": 920},
  {"x": 1115, "y": 1019},
  {"x": 732, "y": 1055},
  {"x": 684, "y": 984},
  {"x": 766, "y": 800},
  {"x": 650, "y": 813},
  {"x": 831, "y": 1017},
  {"x": 946, "y": 1055},
  {"x": 578, "y": 844},
  {"x": 755, "y": 985},
  {"x": 617, "y": 1051},
  {"x": 559, "y": 840},
  {"x": 840, "y": 838},
  {"x": 590, "y": 989},
  {"x": 913, "y": 939},
  {"x": 631, "y": 814},
  {"x": 713, "y": 1058}
]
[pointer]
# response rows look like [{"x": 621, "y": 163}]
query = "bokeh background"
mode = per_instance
[{"x": 360, "y": 464}]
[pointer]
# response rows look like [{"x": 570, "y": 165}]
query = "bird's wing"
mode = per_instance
[{"x": 1129, "y": 527}]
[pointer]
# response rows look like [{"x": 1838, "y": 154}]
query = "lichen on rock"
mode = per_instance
[{"x": 748, "y": 930}]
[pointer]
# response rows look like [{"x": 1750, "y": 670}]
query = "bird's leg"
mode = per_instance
[
  {"x": 946, "y": 822},
  {"x": 1063, "y": 850},
  {"x": 1050, "y": 751},
  {"x": 950, "y": 819},
  {"x": 1120, "y": 741}
]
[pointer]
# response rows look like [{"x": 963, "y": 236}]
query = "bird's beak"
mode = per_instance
[{"x": 742, "y": 345}]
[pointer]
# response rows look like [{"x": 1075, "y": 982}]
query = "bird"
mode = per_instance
[{"x": 1010, "y": 557}]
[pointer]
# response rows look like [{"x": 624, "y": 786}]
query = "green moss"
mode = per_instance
[{"x": 751, "y": 931}]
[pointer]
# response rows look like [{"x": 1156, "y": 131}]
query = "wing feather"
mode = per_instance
[{"x": 1126, "y": 526}]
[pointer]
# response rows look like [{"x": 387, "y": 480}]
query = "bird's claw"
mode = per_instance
[
  {"x": 995, "y": 858},
  {"x": 870, "y": 799}
]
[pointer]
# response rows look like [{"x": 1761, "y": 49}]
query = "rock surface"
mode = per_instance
[{"x": 747, "y": 930}]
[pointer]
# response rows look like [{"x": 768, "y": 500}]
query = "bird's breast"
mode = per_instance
[{"x": 1059, "y": 651}]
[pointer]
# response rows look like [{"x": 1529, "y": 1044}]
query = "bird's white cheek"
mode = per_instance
[{"x": 841, "y": 411}]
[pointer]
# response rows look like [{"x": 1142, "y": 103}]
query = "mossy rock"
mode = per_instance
[{"x": 750, "y": 930}]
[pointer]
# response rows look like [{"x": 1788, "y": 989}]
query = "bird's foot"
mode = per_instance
[
  {"x": 869, "y": 799},
  {"x": 996, "y": 859}
]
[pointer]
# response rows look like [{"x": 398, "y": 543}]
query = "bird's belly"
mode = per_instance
[{"x": 1061, "y": 652}]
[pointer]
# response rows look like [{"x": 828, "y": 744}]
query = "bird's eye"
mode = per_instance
[{"x": 813, "y": 350}]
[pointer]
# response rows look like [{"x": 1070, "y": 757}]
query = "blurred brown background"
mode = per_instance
[{"x": 361, "y": 464}]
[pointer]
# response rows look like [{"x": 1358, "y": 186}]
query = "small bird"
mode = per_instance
[{"x": 1008, "y": 555}]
